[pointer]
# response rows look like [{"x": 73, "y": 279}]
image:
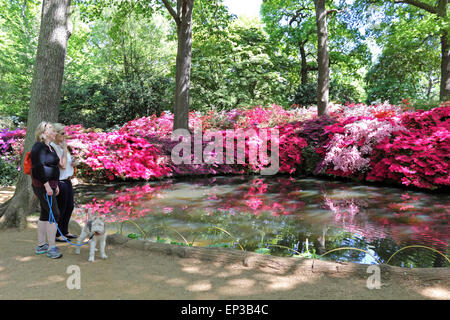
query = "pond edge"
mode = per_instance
[{"x": 283, "y": 265}]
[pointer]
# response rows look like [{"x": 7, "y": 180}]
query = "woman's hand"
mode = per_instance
[{"x": 48, "y": 189}]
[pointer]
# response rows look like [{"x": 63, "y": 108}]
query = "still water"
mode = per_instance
[{"x": 280, "y": 215}]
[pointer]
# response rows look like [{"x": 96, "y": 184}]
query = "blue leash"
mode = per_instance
[{"x": 52, "y": 219}]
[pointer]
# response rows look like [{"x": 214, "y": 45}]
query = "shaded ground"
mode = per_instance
[
  {"x": 131, "y": 273},
  {"x": 135, "y": 274}
]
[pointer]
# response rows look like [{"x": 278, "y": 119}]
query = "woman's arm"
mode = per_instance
[
  {"x": 63, "y": 156},
  {"x": 63, "y": 159}
]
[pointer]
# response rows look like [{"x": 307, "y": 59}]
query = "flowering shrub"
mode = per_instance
[
  {"x": 380, "y": 111},
  {"x": 291, "y": 147},
  {"x": 11, "y": 148},
  {"x": 116, "y": 154},
  {"x": 379, "y": 142},
  {"x": 11, "y": 142},
  {"x": 221, "y": 119},
  {"x": 348, "y": 151},
  {"x": 152, "y": 125},
  {"x": 419, "y": 155},
  {"x": 264, "y": 117}
]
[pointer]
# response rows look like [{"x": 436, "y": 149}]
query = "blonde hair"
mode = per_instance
[
  {"x": 59, "y": 128},
  {"x": 40, "y": 130}
]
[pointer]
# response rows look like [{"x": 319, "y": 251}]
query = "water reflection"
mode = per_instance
[{"x": 309, "y": 216}]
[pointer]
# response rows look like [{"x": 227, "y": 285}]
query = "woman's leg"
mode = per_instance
[
  {"x": 41, "y": 232},
  {"x": 50, "y": 228},
  {"x": 62, "y": 206},
  {"x": 43, "y": 218},
  {"x": 70, "y": 206}
]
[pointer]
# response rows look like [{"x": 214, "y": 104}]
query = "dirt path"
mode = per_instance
[
  {"x": 131, "y": 273},
  {"x": 136, "y": 274}
]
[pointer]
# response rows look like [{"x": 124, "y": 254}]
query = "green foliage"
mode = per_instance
[
  {"x": 291, "y": 26},
  {"x": 231, "y": 66},
  {"x": 341, "y": 93},
  {"x": 311, "y": 160},
  {"x": 307, "y": 254},
  {"x": 114, "y": 103},
  {"x": 305, "y": 95},
  {"x": 120, "y": 61},
  {"x": 408, "y": 66},
  {"x": 160, "y": 240},
  {"x": 18, "y": 42},
  {"x": 8, "y": 172},
  {"x": 134, "y": 236},
  {"x": 118, "y": 71},
  {"x": 263, "y": 250},
  {"x": 425, "y": 104}
]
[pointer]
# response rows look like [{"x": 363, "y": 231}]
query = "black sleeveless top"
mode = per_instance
[{"x": 44, "y": 163}]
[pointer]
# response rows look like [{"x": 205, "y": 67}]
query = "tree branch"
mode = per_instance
[
  {"x": 299, "y": 14},
  {"x": 419, "y": 4},
  {"x": 334, "y": 11},
  {"x": 172, "y": 12},
  {"x": 24, "y": 8}
]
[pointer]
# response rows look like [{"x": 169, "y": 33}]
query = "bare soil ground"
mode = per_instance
[{"x": 133, "y": 272}]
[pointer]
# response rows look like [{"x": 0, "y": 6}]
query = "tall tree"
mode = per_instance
[
  {"x": 323, "y": 57},
  {"x": 409, "y": 63},
  {"x": 440, "y": 10},
  {"x": 54, "y": 33},
  {"x": 293, "y": 22},
  {"x": 183, "y": 19}
]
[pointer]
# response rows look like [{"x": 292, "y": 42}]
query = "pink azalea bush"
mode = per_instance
[
  {"x": 262, "y": 117},
  {"x": 291, "y": 147},
  {"x": 379, "y": 142},
  {"x": 419, "y": 155},
  {"x": 116, "y": 154},
  {"x": 375, "y": 143},
  {"x": 11, "y": 143},
  {"x": 348, "y": 151}
]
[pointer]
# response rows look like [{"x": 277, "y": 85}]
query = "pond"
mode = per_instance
[{"x": 280, "y": 215}]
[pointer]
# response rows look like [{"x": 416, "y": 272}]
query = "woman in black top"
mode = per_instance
[{"x": 44, "y": 179}]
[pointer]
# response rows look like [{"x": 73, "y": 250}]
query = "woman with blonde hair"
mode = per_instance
[
  {"x": 66, "y": 171},
  {"x": 44, "y": 180}
]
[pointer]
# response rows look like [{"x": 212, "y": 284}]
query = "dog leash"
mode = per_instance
[{"x": 52, "y": 219}]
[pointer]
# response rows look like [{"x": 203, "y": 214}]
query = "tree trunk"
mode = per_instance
[
  {"x": 444, "y": 92},
  {"x": 440, "y": 9},
  {"x": 183, "y": 19},
  {"x": 323, "y": 82},
  {"x": 304, "y": 65},
  {"x": 183, "y": 67},
  {"x": 54, "y": 33}
]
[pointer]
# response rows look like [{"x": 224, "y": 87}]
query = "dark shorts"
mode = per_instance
[{"x": 45, "y": 212}]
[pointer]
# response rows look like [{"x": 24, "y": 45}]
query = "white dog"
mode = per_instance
[{"x": 96, "y": 231}]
